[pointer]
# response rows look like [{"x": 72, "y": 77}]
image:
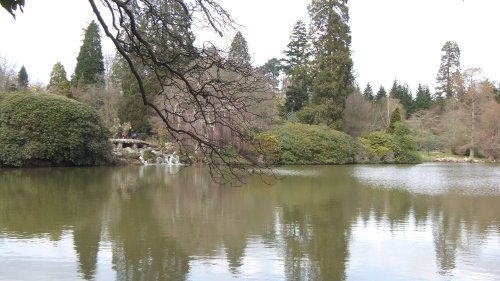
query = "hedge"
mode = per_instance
[{"x": 44, "y": 129}]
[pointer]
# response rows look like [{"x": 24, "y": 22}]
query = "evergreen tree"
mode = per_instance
[
  {"x": 238, "y": 52},
  {"x": 381, "y": 93},
  {"x": 423, "y": 99},
  {"x": 333, "y": 77},
  {"x": 368, "y": 92},
  {"x": 22, "y": 78},
  {"x": 395, "y": 118},
  {"x": 90, "y": 62},
  {"x": 272, "y": 69},
  {"x": 449, "y": 70},
  {"x": 403, "y": 94},
  {"x": 296, "y": 66},
  {"x": 297, "y": 53},
  {"x": 58, "y": 83}
]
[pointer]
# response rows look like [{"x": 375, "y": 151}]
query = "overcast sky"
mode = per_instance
[{"x": 391, "y": 39}]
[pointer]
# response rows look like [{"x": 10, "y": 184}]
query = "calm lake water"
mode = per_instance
[{"x": 421, "y": 222}]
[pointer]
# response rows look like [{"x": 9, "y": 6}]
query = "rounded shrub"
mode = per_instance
[
  {"x": 39, "y": 129},
  {"x": 312, "y": 144},
  {"x": 379, "y": 147},
  {"x": 267, "y": 146}
]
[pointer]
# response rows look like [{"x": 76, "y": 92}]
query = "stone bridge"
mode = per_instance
[{"x": 133, "y": 143}]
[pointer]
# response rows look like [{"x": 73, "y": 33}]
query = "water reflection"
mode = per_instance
[{"x": 317, "y": 223}]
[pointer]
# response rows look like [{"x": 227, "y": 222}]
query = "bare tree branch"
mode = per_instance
[{"x": 209, "y": 105}]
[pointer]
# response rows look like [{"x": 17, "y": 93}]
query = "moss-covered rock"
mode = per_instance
[{"x": 39, "y": 129}]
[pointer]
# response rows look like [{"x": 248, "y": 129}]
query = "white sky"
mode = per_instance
[{"x": 391, "y": 39}]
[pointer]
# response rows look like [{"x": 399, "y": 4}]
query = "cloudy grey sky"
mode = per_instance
[{"x": 391, "y": 39}]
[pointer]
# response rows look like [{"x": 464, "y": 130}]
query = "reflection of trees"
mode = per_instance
[
  {"x": 47, "y": 203},
  {"x": 454, "y": 218},
  {"x": 168, "y": 219},
  {"x": 158, "y": 222},
  {"x": 315, "y": 220}
]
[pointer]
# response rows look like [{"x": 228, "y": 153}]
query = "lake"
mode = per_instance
[{"x": 433, "y": 221}]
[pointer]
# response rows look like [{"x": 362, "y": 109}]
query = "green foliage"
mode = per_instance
[
  {"x": 271, "y": 70},
  {"x": 332, "y": 67},
  {"x": 267, "y": 145},
  {"x": 133, "y": 110},
  {"x": 50, "y": 129},
  {"x": 90, "y": 62},
  {"x": 379, "y": 147},
  {"x": 403, "y": 94},
  {"x": 149, "y": 156},
  {"x": 368, "y": 92},
  {"x": 58, "y": 83},
  {"x": 297, "y": 53},
  {"x": 423, "y": 99},
  {"x": 405, "y": 148},
  {"x": 449, "y": 70},
  {"x": 22, "y": 78},
  {"x": 395, "y": 118},
  {"x": 309, "y": 144},
  {"x": 375, "y": 148},
  {"x": 324, "y": 113},
  {"x": 381, "y": 93},
  {"x": 238, "y": 52},
  {"x": 11, "y": 5}
]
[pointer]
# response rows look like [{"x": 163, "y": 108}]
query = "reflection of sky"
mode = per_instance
[
  {"x": 40, "y": 258},
  {"x": 260, "y": 262},
  {"x": 378, "y": 251},
  {"x": 434, "y": 178}
]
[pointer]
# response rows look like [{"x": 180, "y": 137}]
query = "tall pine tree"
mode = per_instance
[
  {"x": 22, "y": 78},
  {"x": 238, "y": 52},
  {"x": 368, "y": 92},
  {"x": 296, "y": 67},
  {"x": 449, "y": 70},
  {"x": 90, "y": 62},
  {"x": 381, "y": 93},
  {"x": 423, "y": 99},
  {"x": 403, "y": 94},
  {"x": 333, "y": 78}
]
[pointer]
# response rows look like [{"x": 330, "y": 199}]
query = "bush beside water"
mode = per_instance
[
  {"x": 39, "y": 129},
  {"x": 314, "y": 144}
]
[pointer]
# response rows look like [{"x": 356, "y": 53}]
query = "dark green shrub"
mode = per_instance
[
  {"x": 38, "y": 129},
  {"x": 311, "y": 144},
  {"x": 404, "y": 146},
  {"x": 380, "y": 147}
]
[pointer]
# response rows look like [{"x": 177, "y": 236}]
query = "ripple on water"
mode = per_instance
[{"x": 434, "y": 178}]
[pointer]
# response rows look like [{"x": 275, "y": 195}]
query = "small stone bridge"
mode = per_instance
[{"x": 133, "y": 143}]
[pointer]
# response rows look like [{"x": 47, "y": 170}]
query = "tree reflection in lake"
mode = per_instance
[{"x": 317, "y": 223}]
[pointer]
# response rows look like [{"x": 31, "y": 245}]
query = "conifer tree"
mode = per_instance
[
  {"x": 395, "y": 117},
  {"x": 449, "y": 70},
  {"x": 423, "y": 99},
  {"x": 403, "y": 94},
  {"x": 58, "y": 83},
  {"x": 381, "y": 93},
  {"x": 333, "y": 77},
  {"x": 238, "y": 52},
  {"x": 90, "y": 62},
  {"x": 368, "y": 92},
  {"x": 296, "y": 66},
  {"x": 297, "y": 53},
  {"x": 22, "y": 78}
]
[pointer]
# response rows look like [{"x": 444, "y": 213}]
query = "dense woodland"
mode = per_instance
[{"x": 305, "y": 106}]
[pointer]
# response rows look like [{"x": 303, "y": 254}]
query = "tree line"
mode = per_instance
[{"x": 213, "y": 103}]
